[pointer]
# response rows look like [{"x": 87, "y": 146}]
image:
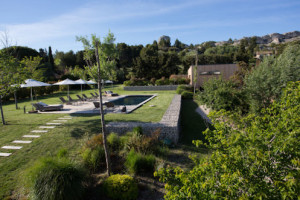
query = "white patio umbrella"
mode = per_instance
[
  {"x": 81, "y": 82},
  {"x": 33, "y": 83},
  {"x": 66, "y": 82},
  {"x": 108, "y": 81},
  {"x": 91, "y": 82}
]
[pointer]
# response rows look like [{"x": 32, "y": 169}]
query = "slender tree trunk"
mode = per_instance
[
  {"x": 107, "y": 156},
  {"x": 2, "y": 115},
  {"x": 195, "y": 71},
  {"x": 16, "y": 100}
]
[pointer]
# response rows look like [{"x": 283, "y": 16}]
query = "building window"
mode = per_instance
[{"x": 210, "y": 73}]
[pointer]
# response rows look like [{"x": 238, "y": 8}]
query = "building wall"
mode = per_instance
[{"x": 206, "y": 72}]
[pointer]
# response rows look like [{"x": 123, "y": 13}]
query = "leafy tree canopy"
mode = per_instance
[
  {"x": 265, "y": 83},
  {"x": 258, "y": 159}
]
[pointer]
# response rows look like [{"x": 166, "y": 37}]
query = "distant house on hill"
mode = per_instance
[
  {"x": 206, "y": 72},
  {"x": 259, "y": 55}
]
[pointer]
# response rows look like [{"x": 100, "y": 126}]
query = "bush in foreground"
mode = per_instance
[
  {"x": 121, "y": 187},
  {"x": 92, "y": 153},
  {"x": 114, "y": 142},
  {"x": 136, "y": 163},
  {"x": 187, "y": 95},
  {"x": 257, "y": 160},
  {"x": 57, "y": 179}
]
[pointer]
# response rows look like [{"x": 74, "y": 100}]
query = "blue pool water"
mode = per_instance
[{"x": 131, "y": 100}]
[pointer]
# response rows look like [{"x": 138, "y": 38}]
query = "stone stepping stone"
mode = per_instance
[
  {"x": 31, "y": 136},
  {"x": 60, "y": 120},
  {"x": 11, "y": 147},
  {"x": 51, "y": 123},
  {"x": 22, "y": 141},
  {"x": 39, "y": 131},
  {"x": 5, "y": 154},
  {"x": 47, "y": 127}
]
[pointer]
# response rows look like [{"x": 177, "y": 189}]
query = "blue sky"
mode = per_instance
[{"x": 56, "y": 23}]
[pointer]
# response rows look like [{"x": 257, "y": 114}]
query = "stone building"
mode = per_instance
[{"x": 206, "y": 72}]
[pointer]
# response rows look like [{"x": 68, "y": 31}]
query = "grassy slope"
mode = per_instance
[
  {"x": 191, "y": 122},
  {"x": 69, "y": 136}
]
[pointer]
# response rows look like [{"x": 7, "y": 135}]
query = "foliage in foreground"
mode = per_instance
[
  {"x": 121, "y": 187},
  {"x": 221, "y": 94},
  {"x": 265, "y": 83},
  {"x": 136, "y": 163},
  {"x": 93, "y": 153},
  {"x": 56, "y": 179},
  {"x": 259, "y": 159}
]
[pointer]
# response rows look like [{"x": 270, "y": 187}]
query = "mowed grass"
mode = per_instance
[
  {"x": 70, "y": 135},
  {"x": 192, "y": 124}
]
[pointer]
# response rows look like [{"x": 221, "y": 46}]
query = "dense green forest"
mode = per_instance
[{"x": 152, "y": 61}]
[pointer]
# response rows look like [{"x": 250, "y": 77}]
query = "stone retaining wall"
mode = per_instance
[
  {"x": 150, "y": 88},
  {"x": 169, "y": 124}
]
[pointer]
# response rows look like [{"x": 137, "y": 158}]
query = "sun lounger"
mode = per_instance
[
  {"x": 87, "y": 98},
  {"x": 73, "y": 100},
  {"x": 44, "y": 107},
  {"x": 95, "y": 97},
  {"x": 80, "y": 98},
  {"x": 65, "y": 101},
  {"x": 110, "y": 93},
  {"x": 108, "y": 105}
]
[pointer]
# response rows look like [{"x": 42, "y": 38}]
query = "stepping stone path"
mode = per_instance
[
  {"x": 22, "y": 141},
  {"x": 11, "y": 147},
  {"x": 47, "y": 127},
  {"x": 31, "y": 136},
  {"x": 55, "y": 122},
  {"x": 39, "y": 131},
  {"x": 5, "y": 154}
]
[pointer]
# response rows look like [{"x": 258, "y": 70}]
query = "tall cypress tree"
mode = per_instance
[{"x": 51, "y": 60}]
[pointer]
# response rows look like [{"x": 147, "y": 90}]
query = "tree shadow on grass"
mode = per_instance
[
  {"x": 192, "y": 124},
  {"x": 87, "y": 127}
]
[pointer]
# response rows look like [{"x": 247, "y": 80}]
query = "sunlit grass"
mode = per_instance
[{"x": 70, "y": 135}]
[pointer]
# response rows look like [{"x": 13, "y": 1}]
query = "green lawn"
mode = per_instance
[
  {"x": 192, "y": 124},
  {"x": 70, "y": 135}
]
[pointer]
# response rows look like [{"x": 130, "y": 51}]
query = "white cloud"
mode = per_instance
[{"x": 90, "y": 17}]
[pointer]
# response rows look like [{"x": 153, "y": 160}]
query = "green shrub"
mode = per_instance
[
  {"x": 162, "y": 81},
  {"x": 136, "y": 82},
  {"x": 152, "y": 81},
  {"x": 56, "y": 178},
  {"x": 181, "y": 88},
  {"x": 184, "y": 81},
  {"x": 114, "y": 142},
  {"x": 137, "y": 163},
  {"x": 143, "y": 143},
  {"x": 93, "y": 153},
  {"x": 138, "y": 130},
  {"x": 95, "y": 141},
  {"x": 62, "y": 153},
  {"x": 93, "y": 158},
  {"x": 121, "y": 187},
  {"x": 127, "y": 83},
  {"x": 187, "y": 95}
]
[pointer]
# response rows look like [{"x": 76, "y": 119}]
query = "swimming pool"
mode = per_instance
[{"x": 131, "y": 100}]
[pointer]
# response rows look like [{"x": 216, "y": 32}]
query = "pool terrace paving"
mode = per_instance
[{"x": 87, "y": 107}]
